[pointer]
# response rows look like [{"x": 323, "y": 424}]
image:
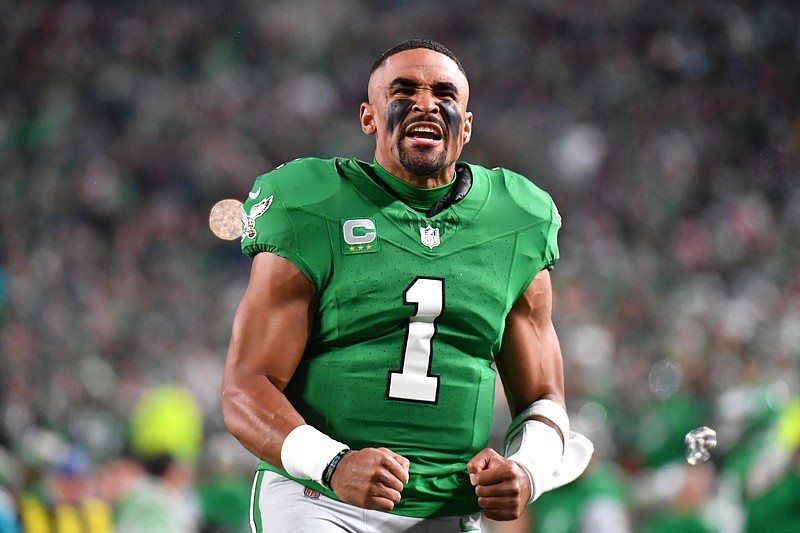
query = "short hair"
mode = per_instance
[{"x": 413, "y": 44}]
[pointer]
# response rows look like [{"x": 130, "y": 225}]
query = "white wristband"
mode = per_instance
[
  {"x": 537, "y": 448},
  {"x": 306, "y": 452}
]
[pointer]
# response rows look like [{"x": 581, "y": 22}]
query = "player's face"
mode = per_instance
[{"x": 417, "y": 111}]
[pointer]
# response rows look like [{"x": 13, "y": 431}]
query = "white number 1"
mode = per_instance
[{"x": 414, "y": 381}]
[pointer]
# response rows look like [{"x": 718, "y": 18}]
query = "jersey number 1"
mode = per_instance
[{"x": 414, "y": 382}]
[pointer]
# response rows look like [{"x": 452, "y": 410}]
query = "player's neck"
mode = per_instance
[
  {"x": 419, "y": 198},
  {"x": 439, "y": 179}
]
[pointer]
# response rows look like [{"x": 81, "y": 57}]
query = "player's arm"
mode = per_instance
[
  {"x": 530, "y": 366},
  {"x": 530, "y": 362},
  {"x": 270, "y": 331}
]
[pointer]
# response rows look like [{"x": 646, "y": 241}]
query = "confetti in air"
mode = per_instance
[{"x": 699, "y": 443}]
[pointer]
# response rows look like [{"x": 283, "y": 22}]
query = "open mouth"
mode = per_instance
[{"x": 424, "y": 132}]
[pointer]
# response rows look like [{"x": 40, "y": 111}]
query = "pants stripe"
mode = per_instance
[{"x": 256, "y": 524}]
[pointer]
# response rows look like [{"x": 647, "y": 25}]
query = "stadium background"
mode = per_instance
[{"x": 667, "y": 132}]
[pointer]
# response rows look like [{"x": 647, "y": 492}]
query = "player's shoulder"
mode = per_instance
[
  {"x": 302, "y": 170},
  {"x": 301, "y": 181},
  {"x": 510, "y": 187}
]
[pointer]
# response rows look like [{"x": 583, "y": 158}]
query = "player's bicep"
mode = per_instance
[
  {"x": 530, "y": 362},
  {"x": 272, "y": 322}
]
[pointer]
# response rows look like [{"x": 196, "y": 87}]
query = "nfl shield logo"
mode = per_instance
[
  {"x": 308, "y": 492},
  {"x": 429, "y": 236}
]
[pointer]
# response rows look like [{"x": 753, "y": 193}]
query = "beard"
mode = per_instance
[{"x": 421, "y": 162}]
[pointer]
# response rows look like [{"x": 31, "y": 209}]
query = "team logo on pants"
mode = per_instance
[{"x": 308, "y": 492}]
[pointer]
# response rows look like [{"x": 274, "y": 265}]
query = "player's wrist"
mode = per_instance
[
  {"x": 535, "y": 446},
  {"x": 538, "y": 449},
  {"x": 327, "y": 475},
  {"x": 532, "y": 473},
  {"x": 306, "y": 453}
]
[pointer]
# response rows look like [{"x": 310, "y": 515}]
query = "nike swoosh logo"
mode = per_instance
[{"x": 254, "y": 195}]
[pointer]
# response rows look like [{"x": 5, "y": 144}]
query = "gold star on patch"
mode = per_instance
[
  {"x": 352, "y": 248},
  {"x": 360, "y": 246}
]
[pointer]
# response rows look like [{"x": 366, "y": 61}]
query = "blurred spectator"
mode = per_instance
[
  {"x": 677, "y": 499},
  {"x": 9, "y": 487},
  {"x": 166, "y": 438},
  {"x": 597, "y": 502},
  {"x": 774, "y": 501},
  {"x": 60, "y": 495},
  {"x": 225, "y": 480}
]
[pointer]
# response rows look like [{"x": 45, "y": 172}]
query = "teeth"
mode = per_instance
[{"x": 423, "y": 129}]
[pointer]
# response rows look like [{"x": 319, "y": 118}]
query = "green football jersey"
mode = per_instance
[{"x": 411, "y": 310}]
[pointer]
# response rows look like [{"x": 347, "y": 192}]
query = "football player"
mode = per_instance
[{"x": 381, "y": 298}]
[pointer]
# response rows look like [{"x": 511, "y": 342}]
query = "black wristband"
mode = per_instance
[{"x": 327, "y": 475}]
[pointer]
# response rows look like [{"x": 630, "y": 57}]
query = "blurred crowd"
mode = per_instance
[{"x": 667, "y": 133}]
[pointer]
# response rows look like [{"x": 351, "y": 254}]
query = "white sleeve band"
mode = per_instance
[
  {"x": 306, "y": 452},
  {"x": 537, "y": 448},
  {"x": 546, "y": 409}
]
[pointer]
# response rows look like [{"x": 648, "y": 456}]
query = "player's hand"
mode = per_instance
[
  {"x": 372, "y": 478},
  {"x": 502, "y": 486}
]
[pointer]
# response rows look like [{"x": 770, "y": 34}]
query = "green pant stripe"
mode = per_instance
[{"x": 255, "y": 509}]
